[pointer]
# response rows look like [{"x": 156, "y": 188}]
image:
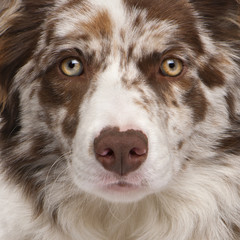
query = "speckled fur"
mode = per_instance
[{"x": 52, "y": 187}]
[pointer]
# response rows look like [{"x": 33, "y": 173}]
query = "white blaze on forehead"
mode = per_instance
[{"x": 111, "y": 103}]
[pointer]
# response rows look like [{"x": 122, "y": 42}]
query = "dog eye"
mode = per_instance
[
  {"x": 72, "y": 67},
  {"x": 171, "y": 67}
]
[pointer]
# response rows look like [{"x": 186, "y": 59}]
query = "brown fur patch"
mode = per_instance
[
  {"x": 149, "y": 67},
  {"x": 230, "y": 143},
  {"x": 195, "y": 99},
  {"x": 211, "y": 75},
  {"x": 10, "y": 117},
  {"x": 3, "y": 98},
  {"x": 58, "y": 90},
  {"x": 180, "y": 145},
  {"x": 99, "y": 26}
]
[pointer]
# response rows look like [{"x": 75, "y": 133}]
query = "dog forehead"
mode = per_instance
[{"x": 114, "y": 20}]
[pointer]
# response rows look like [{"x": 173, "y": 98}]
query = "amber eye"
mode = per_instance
[
  {"x": 72, "y": 67},
  {"x": 171, "y": 67}
]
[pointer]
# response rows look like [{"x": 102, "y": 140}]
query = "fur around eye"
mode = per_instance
[{"x": 71, "y": 67}]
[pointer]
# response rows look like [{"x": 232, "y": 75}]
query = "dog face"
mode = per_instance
[{"x": 116, "y": 99}]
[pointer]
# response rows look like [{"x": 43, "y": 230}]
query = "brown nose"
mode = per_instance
[{"x": 121, "y": 152}]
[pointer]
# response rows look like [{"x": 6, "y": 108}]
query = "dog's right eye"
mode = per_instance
[{"x": 71, "y": 67}]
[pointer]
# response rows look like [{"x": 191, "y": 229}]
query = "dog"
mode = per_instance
[{"x": 120, "y": 120}]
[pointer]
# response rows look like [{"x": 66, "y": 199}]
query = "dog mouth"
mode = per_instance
[{"x": 122, "y": 186}]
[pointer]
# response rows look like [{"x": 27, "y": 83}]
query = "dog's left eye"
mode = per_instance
[
  {"x": 71, "y": 67},
  {"x": 171, "y": 67}
]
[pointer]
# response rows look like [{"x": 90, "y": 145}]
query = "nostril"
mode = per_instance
[
  {"x": 106, "y": 153},
  {"x": 137, "y": 152},
  {"x": 106, "y": 157}
]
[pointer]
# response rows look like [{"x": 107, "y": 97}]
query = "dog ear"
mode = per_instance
[
  {"x": 9, "y": 10},
  {"x": 221, "y": 17},
  {"x": 20, "y": 29}
]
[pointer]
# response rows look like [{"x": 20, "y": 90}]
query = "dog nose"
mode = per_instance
[{"x": 121, "y": 152}]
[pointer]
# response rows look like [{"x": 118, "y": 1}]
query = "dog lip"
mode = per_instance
[
  {"x": 115, "y": 183},
  {"x": 122, "y": 186}
]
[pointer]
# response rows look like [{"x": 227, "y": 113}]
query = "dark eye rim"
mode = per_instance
[
  {"x": 171, "y": 58},
  {"x": 73, "y": 58}
]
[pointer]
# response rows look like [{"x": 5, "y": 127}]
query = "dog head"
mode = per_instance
[{"x": 116, "y": 99}]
